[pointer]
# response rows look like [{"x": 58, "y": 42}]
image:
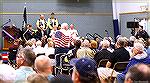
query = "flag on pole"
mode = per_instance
[
  {"x": 24, "y": 18},
  {"x": 25, "y": 15}
]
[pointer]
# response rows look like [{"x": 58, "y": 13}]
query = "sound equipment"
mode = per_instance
[{"x": 132, "y": 24}]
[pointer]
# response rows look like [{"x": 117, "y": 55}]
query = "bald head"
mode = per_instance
[
  {"x": 42, "y": 16},
  {"x": 43, "y": 63}
]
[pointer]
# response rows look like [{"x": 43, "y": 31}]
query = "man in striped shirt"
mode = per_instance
[{"x": 62, "y": 39}]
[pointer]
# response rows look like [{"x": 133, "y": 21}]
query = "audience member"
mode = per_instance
[
  {"x": 85, "y": 50},
  {"x": 7, "y": 74},
  {"x": 97, "y": 39},
  {"x": 28, "y": 44},
  {"x": 33, "y": 40},
  {"x": 50, "y": 49},
  {"x": 77, "y": 44},
  {"x": 103, "y": 53},
  {"x": 94, "y": 46},
  {"x": 13, "y": 51},
  {"x": 120, "y": 54},
  {"x": 140, "y": 56},
  {"x": 139, "y": 73},
  {"x": 148, "y": 46},
  {"x": 37, "y": 78},
  {"x": 39, "y": 49},
  {"x": 25, "y": 61},
  {"x": 44, "y": 65},
  {"x": 85, "y": 71}
]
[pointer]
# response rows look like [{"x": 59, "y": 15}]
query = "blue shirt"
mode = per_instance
[
  {"x": 134, "y": 61},
  {"x": 22, "y": 74}
]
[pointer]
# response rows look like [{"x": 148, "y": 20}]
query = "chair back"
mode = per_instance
[
  {"x": 120, "y": 66},
  {"x": 103, "y": 62}
]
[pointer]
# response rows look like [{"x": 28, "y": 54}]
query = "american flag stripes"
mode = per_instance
[{"x": 61, "y": 40}]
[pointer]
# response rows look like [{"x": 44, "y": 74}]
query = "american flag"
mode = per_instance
[{"x": 61, "y": 40}]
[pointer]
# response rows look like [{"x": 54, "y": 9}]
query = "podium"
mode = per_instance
[{"x": 9, "y": 34}]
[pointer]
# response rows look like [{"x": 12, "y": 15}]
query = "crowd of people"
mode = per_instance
[{"x": 33, "y": 64}]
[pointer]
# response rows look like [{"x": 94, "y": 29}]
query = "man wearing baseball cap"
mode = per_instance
[{"x": 85, "y": 71}]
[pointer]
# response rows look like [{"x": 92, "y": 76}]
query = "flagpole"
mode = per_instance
[{"x": 24, "y": 22}]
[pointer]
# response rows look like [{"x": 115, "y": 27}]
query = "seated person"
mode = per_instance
[
  {"x": 25, "y": 60},
  {"x": 37, "y": 78},
  {"x": 85, "y": 50},
  {"x": 85, "y": 71},
  {"x": 120, "y": 54},
  {"x": 140, "y": 56},
  {"x": 39, "y": 49},
  {"x": 103, "y": 53},
  {"x": 44, "y": 65},
  {"x": 139, "y": 73}
]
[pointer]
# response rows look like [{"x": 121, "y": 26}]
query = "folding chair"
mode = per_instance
[
  {"x": 103, "y": 62},
  {"x": 119, "y": 67}
]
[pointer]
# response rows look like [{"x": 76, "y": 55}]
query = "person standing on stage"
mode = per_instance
[
  {"x": 73, "y": 31},
  {"x": 41, "y": 26},
  {"x": 51, "y": 22}
]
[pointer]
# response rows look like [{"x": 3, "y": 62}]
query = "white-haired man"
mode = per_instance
[
  {"x": 103, "y": 53},
  {"x": 39, "y": 49},
  {"x": 44, "y": 65},
  {"x": 85, "y": 50},
  {"x": 140, "y": 56},
  {"x": 62, "y": 39}
]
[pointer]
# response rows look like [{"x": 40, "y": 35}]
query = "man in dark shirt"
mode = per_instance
[
  {"x": 103, "y": 53},
  {"x": 120, "y": 54},
  {"x": 142, "y": 33}
]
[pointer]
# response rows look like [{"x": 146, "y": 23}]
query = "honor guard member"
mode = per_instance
[
  {"x": 41, "y": 23},
  {"x": 51, "y": 22},
  {"x": 41, "y": 26}
]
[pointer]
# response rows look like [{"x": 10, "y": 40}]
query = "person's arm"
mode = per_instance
[
  {"x": 37, "y": 24},
  {"x": 48, "y": 24},
  {"x": 56, "y": 22}
]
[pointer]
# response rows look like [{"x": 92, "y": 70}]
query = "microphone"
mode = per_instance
[
  {"x": 106, "y": 31},
  {"x": 9, "y": 20}
]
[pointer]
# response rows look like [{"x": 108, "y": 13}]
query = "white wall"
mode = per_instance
[{"x": 129, "y": 6}]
